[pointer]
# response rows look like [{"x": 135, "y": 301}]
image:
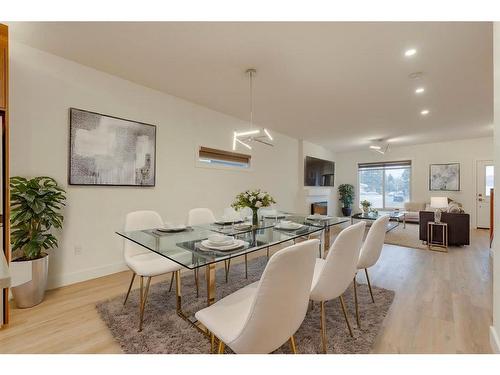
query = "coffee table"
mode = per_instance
[{"x": 394, "y": 218}]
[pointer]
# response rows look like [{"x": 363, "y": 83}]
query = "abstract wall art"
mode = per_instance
[
  {"x": 444, "y": 177},
  {"x": 107, "y": 150}
]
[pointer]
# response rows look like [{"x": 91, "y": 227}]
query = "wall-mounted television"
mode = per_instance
[{"x": 318, "y": 172}]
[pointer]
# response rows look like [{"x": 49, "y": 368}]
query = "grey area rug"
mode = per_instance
[{"x": 165, "y": 332}]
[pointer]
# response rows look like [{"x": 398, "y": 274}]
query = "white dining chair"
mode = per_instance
[
  {"x": 369, "y": 255},
  {"x": 143, "y": 262},
  {"x": 262, "y": 316},
  {"x": 334, "y": 274}
]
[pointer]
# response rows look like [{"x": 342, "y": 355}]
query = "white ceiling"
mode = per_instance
[{"x": 336, "y": 84}]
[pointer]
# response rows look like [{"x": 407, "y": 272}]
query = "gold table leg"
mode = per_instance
[
  {"x": 326, "y": 241},
  {"x": 210, "y": 276}
]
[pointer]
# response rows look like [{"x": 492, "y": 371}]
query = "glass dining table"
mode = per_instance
[{"x": 184, "y": 247}]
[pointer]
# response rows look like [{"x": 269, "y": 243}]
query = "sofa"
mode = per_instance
[
  {"x": 412, "y": 210},
  {"x": 458, "y": 226}
]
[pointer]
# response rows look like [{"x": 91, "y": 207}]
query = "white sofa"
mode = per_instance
[{"x": 412, "y": 210}]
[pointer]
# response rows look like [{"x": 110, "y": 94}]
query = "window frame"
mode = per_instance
[
  {"x": 384, "y": 166},
  {"x": 201, "y": 164}
]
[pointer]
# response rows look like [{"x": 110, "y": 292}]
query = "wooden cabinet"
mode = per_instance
[{"x": 3, "y": 67}]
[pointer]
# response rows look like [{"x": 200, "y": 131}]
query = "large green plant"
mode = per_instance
[
  {"x": 346, "y": 195},
  {"x": 35, "y": 210}
]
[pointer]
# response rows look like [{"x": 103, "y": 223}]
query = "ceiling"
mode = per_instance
[{"x": 337, "y": 84}]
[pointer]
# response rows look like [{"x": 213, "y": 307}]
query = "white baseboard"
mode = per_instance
[
  {"x": 86, "y": 274},
  {"x": 494, "y": 341}
]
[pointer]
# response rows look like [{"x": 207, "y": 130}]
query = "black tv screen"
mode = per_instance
[{"x": 318, "y": 172}]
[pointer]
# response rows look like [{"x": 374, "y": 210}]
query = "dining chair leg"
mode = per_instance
[
  {"x": 345, "y": 315},
  {"x": 311, "y": 305},
  {"x": 197, "y": 282},
  {"x": 129, "y": 287},
  {"x": 141, "y": 295},
  {"x": 267, "y": 253},
  {"x": 292, "y": 345},
  {"x": 246, "y": 266},
  {"x": 221, "y": 347},
  {"x": 323, "y": 326},
  {"x": 178, "y": 291},
  {"x": 356, "y": 305},
  {"x": 144, "y": 299},
  {"x": 227, "y": 264},
  {"x": 369, "y": 284},
  {"x": 171, "y": 282}
]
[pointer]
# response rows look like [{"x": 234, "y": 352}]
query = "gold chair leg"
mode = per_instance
[
  {"x": 221, "y": 347},
  {"x": 345, "y": 315},
  {"x": 356, "y": 302},
  {"x": 141, "y": 296},
  {"x": 197, "y": 282},
  {"x": 369, "y": 285},
  {"x": 323, "y": 326},
  {"x": 129, "y": 287},
  {"x": 246, "y": 266},
  {"x": 267, "y": 253},
  {"x": 292, "y": 345},
  {"x": 171, "y": 282},
  {"x": 144, "y": 299}
]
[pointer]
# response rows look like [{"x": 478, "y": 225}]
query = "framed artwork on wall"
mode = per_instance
[
  {"x": 444, "y": 177},
  {"x": 110, "y": 151}
]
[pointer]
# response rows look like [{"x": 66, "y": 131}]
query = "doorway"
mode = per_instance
[{"x": 485, "y": 171}]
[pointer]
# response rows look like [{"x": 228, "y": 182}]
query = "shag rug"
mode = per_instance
[
  {"x": 407, "y": 237},
  {"x": 165, "y": 332}
]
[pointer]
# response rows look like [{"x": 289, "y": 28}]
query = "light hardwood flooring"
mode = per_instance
[{"x": 443, "y": 304}]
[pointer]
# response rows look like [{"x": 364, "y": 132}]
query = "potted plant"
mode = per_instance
[
  {"x": 35, "y": 210},
  {"x": 366, "y": 206},
  {"x": 346, "y": 196},
  {"x": 254, "y": 199}
]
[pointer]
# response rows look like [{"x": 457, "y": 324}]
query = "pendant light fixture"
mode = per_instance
[{"x": 258, "y": 135}]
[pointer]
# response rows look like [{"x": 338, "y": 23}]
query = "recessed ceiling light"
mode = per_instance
[
  {"x": 375, "y": 147},
  {"x": 419, "y": 90},
  {"x": 410, "y": 52},
  {"x": 424, "y": 112}
]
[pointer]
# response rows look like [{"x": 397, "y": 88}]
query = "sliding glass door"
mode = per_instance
[{"x": 386, "y": 185}]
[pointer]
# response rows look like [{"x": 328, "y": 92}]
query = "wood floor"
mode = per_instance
[{"x": 443, "y": 304}]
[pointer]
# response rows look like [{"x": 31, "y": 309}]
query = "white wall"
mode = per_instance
[
  {"x": 465, "y": 152},
  {"x": 495, "y": 329},
  {"x": 44, "y": 86}
]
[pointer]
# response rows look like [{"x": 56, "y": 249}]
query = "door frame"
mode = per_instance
[{"x": 476, "y": 161}]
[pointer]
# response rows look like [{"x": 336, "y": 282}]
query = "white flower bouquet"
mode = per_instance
[{"x": 254, "y": 199}]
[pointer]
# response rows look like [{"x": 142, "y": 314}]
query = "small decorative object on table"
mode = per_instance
[
  {"x": 438, "y": 203},
  {"x": 366, "y": 205},
  {"x": 254, "y": 199}
]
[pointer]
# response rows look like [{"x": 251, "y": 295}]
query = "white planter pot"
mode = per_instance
[{"x": 31, "y": 293}]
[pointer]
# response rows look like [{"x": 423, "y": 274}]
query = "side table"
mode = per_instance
[{"x": 435, "y": 244}]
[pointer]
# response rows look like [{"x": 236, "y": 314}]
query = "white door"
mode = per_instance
[{"x": 484, "y": 182}]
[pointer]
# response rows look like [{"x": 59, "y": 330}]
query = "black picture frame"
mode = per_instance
[
  {"x": 71, "y": 178},
  {"x": 431, "y": 188}
]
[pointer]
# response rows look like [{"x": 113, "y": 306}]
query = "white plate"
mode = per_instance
[
  {"x": 243, "y": 226},
  {"x": 219, "y": 243},
  {"x": 289, "y": 226},
  {"x": 205, "y": 245},
  {"x": 172, "y": 229},
  {"x": 318, "y": 217}
]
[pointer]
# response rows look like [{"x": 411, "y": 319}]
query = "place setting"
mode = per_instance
[
  {"x": 221, "y": 243},
  {"x": 169, "y": 228}
]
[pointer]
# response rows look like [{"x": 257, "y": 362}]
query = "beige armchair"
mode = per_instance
[{"x": 412, "y": 210}]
